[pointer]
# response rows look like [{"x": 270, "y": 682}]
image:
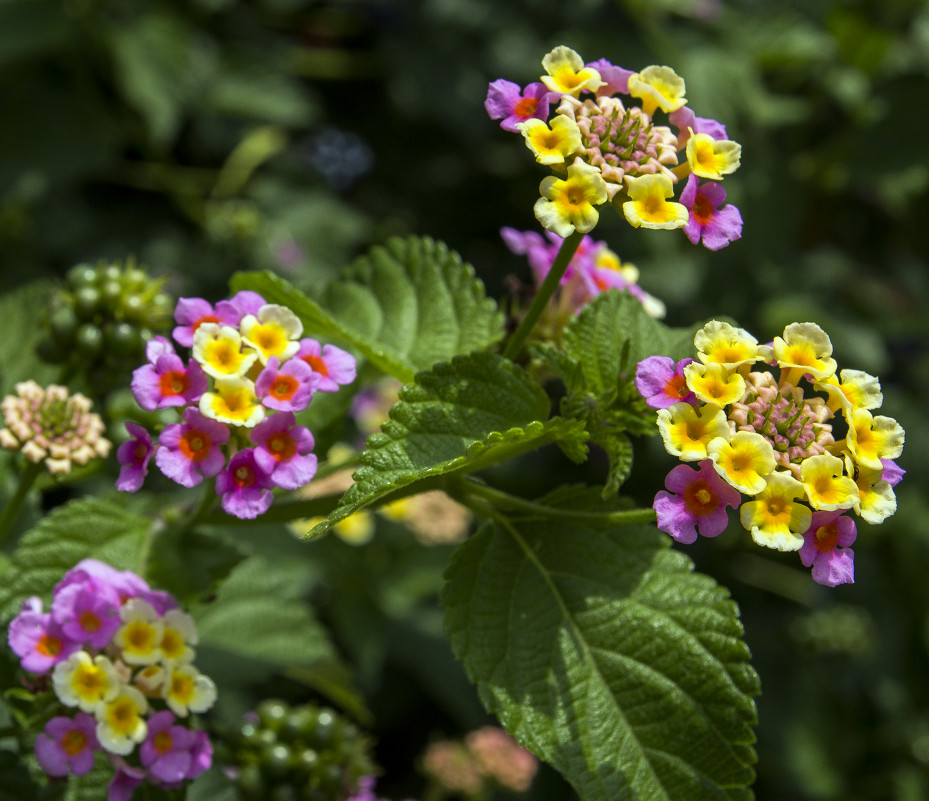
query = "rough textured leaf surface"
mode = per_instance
[
  {"x": 605, "y": 654},
  {"x": 459, "y": 417},
  {"x": 404, "y": 306}
]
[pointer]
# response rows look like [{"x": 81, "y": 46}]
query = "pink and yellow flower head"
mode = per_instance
[
  {"x": 763, "y": 417},
  {"x": 249, "y": 362},
  {"x": 118, "y": 692},
  {"x": 607, "y": 117}
]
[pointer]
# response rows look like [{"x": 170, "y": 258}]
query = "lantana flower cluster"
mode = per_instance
[
  {"x": 593, "y": 269},
  {"x": 582, "y": 120},
  {"x": 250, "y": 372},
  {"x": 52, "y": 426},
  {"x": 118, "y": 657},
  {"x": 779, "y": 424}
]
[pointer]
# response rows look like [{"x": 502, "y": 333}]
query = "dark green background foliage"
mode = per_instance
[{"x": 215, "y": 136}]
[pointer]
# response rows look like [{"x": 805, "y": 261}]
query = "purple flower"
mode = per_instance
[
  {"x": 825, "y": 548},
  {"x": 38, "y": 640},
  {"x": 124, "y": 781},
  {"x": 892, "y": 473},
  {"x": 191, "y": 313},
  {"x": 616, "y": 79},
  {"x": 661, "y": 382},
  {"x": 685, "y": 120},
  {"x": 698, "y": 502},
  {"x": 245, "y": 302},
  {"x": 133, "y": 456},
  {"x": 166, "y": 381},
  {"x": 67, "y": 745},
  {"x": 201, "y": 754},
  {"x": 335, "y": 367},
  {"x": 716, "y": 226},
  {"x": 87, "y": 609},
  {"x": 287, "y": 388},
  {"x": 245, "y": 488},
  {"x": 510, "y": 104},
  {"x": 283, "y": 451},
  {"x": 166, "y": 751},
  {"x": 190, "y": 451},
  {"x": 120, "y": 585}
]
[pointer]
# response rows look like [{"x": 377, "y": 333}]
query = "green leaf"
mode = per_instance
[
  {"x": 459, "y": 417},
  {"x": 89, "y": 527},
  {"x": 605, "y": 654},
  {"x": 613, "y": 333},
  {"x": 404, "y": 306},
  {"x": 20, "y": 310}
]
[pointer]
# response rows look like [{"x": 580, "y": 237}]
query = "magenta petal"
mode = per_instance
[
  {"x": 725, "y": 227},
  {"x": 51, "y": 756},
  {"x": 502, "y": 96},
  {"x": 674, "y": 519},
  {"x": 652, "y": 375},
  {"x": 834, "y": 568},
  {"x": 296, "y": 472}
]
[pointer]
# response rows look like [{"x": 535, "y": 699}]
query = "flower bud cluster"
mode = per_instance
[
  {"x": 487, "y": 758},
  {"x": 52, "y": 426},
  {"x": 119, "y": 656},
  {"x": 803, "y": 443},
  {"x": 249, "y": 373},
  {"x": 308, "y": 752},
  {"x": 603, "y": 147},
  {"x": 99, "y": 322},
  {"x": 593, "y": 269}
]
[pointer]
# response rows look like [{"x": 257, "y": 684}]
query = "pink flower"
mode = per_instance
[
  {"x": 699, "y": 503},
  {"x": 124, "y": 781},
  {"x": 510, "y": 104},
  {"x": 661, "y": 382},
  {"x": 119, "y": 585},
  {"x": 133, "y": 456},
  {"x": 191, "y": 313},
  {"x": 38, "y": 640},
  {"x": 67, "y": 745},
  {"x": 893, "y": 474},
  {"x": 245, "y": 488},
  {"x": 283, "y": 451},
  {"x": 685, "y": 120},
  {"x": 166, "y": 381},
  {"x": 190, "y": 451},
  {"x": 716, "y": 226},
  {"x": 825, "y": 548},
  {"x": 201, "y": 754},
  {"x": 166, "y": 751},
  {"x": 245, "y": 302},
  {"x": 335, "y": 367},
  {"x": 86, "y": 608},
  {"x": 287, "y": 388},
  {"x": 616, "y": 79}
]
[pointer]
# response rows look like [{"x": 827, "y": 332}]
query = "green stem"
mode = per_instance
[
  {"x": 543, "y": 296},
  {"x": 280, "y": 512},
  {"x": 11, "y": 510},
  {"x": 625, "y": 517}
]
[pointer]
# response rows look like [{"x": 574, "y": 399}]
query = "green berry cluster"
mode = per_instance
[
  {"x": 301, "y": 753},
  {"x": 98, "y": 323}
]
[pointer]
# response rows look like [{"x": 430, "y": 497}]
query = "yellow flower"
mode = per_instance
[
  {"x": 274, "y": 331},
  {"x": 714, "y": 383},
  {"x": 568, "y": 205},
  {"x": 876, "y": 499},
  {"x": 826, "y": 486},
  {"x": 854, "y": 389},
  {"x": 179, "y": 633},
  {"x": 805, "y": 348},
  {"x": 551, "y": 145},
  {"x": 85, "y": 682},
  {"x": 658, "y": 87},
  {"x": 687, "y": 431},
  {"x": 648, "y": 207},
  {"x": 721, "y": 343},
  {"x": 745, "y": 460},
  {"x": 774, "y": 518},
  {"x": 218, "y": 348},
  {"x": 712, "y": 158},
  {"x": 187, "y": 690},
  {"x": 567, "y": 74},
  {"x": 120, "y": 724},
  {"x": 140, "y": 633},
  {"x": 233, "y": 402},
  {"x": 871, "y": 439}
]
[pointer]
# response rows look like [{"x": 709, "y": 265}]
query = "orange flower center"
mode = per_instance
[
  {"x": 699, "y": 498},
  {"x": 162, "y": 742},
  {"x": 525, "y": 107},
  {"x": 172, "y": 383},
  {"x": 208, "y": 319},
  {"x": 48, "y": 645},
  {"x": 318, "y": 365},
  {"x": 282, "y": 446},
  {"x": 284, "y": 387},
  {"x": 89, "y": 621},
  {"x": 676, "y": 387},
  {"x": 703, "y": 210},
  {"x": 74, "y": 742},
  {"x": 243, "y": 476},
  {"x": 195, "y": 445},
  {"x": 827, "y": 537}
]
